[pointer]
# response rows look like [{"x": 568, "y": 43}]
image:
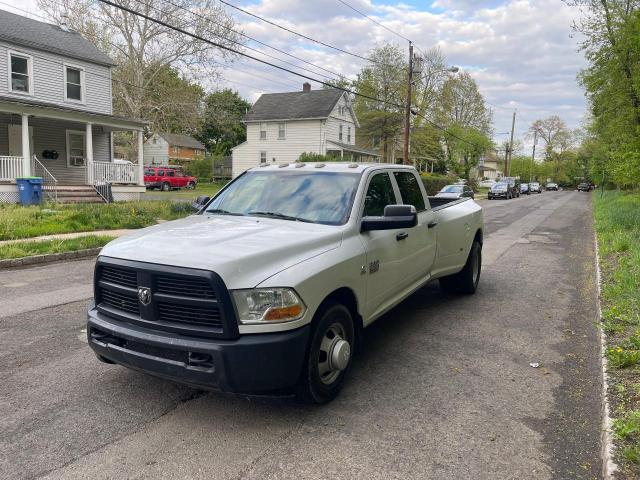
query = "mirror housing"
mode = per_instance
[
  {"x": 395, "y": 216},
  {"x": 200, "y": 202}
]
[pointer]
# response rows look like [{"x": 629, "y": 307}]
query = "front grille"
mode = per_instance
[
  {"x": 209, "y": 315},
  {"x": 183, "y": 301},
  {"x": 119, "y": 276},
  {"x": 119, "y": 301},
  {"x": 187, "y": 287}
]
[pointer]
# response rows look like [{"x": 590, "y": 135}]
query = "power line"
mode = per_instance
[
  {"x": 142, "y": 2},
  {"x": 233, "y": 50},
  {"x": 319, "y": 42},
  {"x": 254, "y": 39},
  {"x": 373, "y": 20}
]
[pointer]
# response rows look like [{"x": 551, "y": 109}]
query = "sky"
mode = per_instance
[{"x": 520, "y": 52}]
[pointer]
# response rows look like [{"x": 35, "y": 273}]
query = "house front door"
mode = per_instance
[{"x": 15, "y": 140}]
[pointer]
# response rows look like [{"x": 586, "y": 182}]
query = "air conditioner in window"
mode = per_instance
[{"x": 77, "y": 161}]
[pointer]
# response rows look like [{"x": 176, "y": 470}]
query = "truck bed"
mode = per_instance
[{"x": 438, "y": 203}]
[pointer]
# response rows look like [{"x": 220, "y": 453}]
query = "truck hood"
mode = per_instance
[{"x": 244, "y": 251}]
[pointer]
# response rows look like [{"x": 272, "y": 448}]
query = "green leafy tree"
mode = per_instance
[{"x": 222, "y": 127}]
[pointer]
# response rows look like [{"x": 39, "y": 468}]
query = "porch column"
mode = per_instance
[
  {"x": 88, "y": 138},
  {"x": 26, "y": 152},
  {"x": 140, "y": 158}
]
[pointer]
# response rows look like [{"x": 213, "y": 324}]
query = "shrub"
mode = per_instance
[{"x": 434, "y": 182}]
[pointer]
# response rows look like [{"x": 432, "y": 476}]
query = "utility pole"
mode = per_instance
[
  {"x": 507, "y": 162},
  {"x": 407, "y": 110},
  {"x": 533, "y": 154}
]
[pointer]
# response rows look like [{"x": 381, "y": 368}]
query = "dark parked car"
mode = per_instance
[
  {"x": 552, "y": 186},
  {"x": 584, "y": 187},
  {"x": 503, "y": 189},
  {"x": 455, "y": 191},
  {"x": 524, "y": 189},
  {"x": 535, "y": 187}
]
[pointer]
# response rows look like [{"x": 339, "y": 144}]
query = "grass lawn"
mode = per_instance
[
  {"x": 208, "y": 189},
  {"x": 617, "y": 217},
  {"x": 27, "y": 249},
  {"x": 23, "y": 222}
]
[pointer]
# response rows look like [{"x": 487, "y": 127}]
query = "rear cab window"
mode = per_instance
[
  {"x": 379, "y": 195},
  {"x": 410, "y": 190}
]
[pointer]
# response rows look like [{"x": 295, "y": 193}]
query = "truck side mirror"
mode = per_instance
[
  {"x": 200, "y": 202},
  {"x": 395, "y": 216}
]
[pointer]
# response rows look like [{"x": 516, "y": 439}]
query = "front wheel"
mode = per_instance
[
  {"x": 328, "y": 356},
  {"x": 467, "y": 279},
  {"x": 166, "y": 186},
  {"x": 191, "y": 186}
]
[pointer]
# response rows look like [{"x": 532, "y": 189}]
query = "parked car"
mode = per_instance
[
  {"x": 535, "y": 187},
  {"x": 499, "y": 190},
  {"x": 487, "y": 183},
  {"x": 305, "y": 258},
  {"x": 455, "y": 191},
  {"x": 584, "y": 187},
  {"x": 552, "y": 186},
  {"x": 167, "y": 178},
  {"x": 524, "y": 189}
]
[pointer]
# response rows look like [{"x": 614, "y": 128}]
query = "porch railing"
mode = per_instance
[
  {"x": 107, "y": 172},
  {"x": 10, "y": 168},
  {"x": 49, "y": 182}
]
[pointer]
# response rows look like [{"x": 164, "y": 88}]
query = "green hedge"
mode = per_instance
[{"x": 434, "y": 182}]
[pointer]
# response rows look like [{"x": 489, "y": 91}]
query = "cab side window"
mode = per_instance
[
  {"x": 410, "y": 190},
  {"x": 379, "y": 195}
]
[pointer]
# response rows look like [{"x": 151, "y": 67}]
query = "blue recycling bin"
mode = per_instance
[{"x": 30, "y": 190}]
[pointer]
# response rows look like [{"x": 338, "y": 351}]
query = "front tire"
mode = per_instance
[
  {"x": 466, "y": 280},
  {"x": 328, "y": 356},
  {"x": 166, "y": 187},
  {"x": 191, "y": 186}
]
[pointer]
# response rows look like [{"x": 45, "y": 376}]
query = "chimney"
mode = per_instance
[
  {"x": 64, "y": 22},
  {"x": 306, "y": 87}
]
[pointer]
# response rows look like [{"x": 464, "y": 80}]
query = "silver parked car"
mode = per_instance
[{"x": 455, "y": 191}]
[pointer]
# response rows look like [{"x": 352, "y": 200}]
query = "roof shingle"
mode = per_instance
[
  {"x": 294, "y": 105},
  {"x": 50, "y": 38}
]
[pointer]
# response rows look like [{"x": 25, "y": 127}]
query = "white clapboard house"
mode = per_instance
[
  {"x": 282, "y": 126},
  {"x": 56, "y": 118}
]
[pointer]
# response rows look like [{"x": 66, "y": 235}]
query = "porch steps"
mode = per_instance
[{"x": 78, "y": 194}]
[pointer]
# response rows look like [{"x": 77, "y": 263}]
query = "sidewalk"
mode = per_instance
[{"x": 67, "y": 236}]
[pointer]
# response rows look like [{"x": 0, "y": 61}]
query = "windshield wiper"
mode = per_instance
[
  {"x": 281, "y": 216},
  {"x": 219, "y": 211}
]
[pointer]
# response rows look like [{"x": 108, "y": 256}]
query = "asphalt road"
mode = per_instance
[{"x": 443, "y": 389}]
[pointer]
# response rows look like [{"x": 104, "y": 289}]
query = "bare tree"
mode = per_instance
[
  {"x": 553, "y": 131},
  {"x": 144, "y": 49}
]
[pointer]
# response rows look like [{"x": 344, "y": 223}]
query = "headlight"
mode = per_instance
[{"x": 268, "y": 305}]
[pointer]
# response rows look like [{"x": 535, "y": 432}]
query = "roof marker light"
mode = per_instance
[
  {"x": 319, "y": 165},
  {"x": 353, "y": 165},
  {"x": 282, "y": 165},
  {"x": 300, "y": 165}
]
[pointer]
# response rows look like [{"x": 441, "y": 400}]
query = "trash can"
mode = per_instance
[{"x": 30, "y": 190}]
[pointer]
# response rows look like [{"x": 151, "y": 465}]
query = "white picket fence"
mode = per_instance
[
  {"x": 10, "y": 168},
  {"x": 107, "y": 172}
]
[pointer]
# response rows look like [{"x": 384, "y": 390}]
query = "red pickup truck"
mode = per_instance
[{"x": 167, "y": 178}]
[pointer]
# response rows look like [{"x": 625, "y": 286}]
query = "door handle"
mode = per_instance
[
  {"x": 401, "y": 236},
  {"x": 432, "y": 224}
]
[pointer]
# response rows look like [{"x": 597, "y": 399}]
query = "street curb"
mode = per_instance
[
  {"x": 609, "y": 466},
  {"x": 48, "y": 258}
]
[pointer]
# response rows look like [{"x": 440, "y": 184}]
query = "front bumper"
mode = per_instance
[
  {"x": 256, "y": 363},
  {"x": 497, "y": 194}
]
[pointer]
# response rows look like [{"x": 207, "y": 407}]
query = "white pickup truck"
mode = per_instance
[{"x": 267, "y": 289}]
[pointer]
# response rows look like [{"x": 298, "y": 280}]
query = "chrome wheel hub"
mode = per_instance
[{"x": 334, "y": 354}]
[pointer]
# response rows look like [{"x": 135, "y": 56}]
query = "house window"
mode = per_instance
[
  {"x": 263, "y": 157},
  {"x": 263, "y": 131},
  {"x": 348, "y": 134},
  {"x": 75, "y": 148},
  {"x": 74, "y": 84},
  {"x": 340, "y": 133},
  {"x": 281, "y": 131},
  {"x": 20, "y": 73}
]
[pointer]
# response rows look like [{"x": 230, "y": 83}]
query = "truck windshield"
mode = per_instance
[{"x": 317, "y": 197}]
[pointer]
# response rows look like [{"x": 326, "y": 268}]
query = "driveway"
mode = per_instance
[{"x": 444, "y": 389}]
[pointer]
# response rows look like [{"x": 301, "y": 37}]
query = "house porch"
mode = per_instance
[{"x": 66, "y": 148}]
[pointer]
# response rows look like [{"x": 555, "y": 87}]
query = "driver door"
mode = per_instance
[{"x": 383, "y": 267}]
